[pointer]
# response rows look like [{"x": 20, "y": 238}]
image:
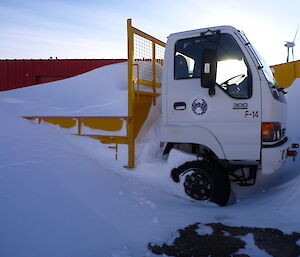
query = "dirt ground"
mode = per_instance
[{"x": 226, "y": 241}]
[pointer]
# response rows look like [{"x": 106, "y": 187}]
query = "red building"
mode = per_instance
[{"x": 23, "y": 73}]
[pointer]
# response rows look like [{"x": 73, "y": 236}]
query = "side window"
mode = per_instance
[
  {"x": 184, "y": 66},
  {"x": 233, "y": 74},
  {"x": 187, "y": 57},
  {"x": 232, "y": 78}
]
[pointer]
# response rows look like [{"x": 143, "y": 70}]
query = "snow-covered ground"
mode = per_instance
[{"x": 62, "y": 195}]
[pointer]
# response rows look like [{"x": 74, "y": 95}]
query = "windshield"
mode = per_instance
[
  {"x": 277, "y": 92},
  {"x": 264, "y": 66}
]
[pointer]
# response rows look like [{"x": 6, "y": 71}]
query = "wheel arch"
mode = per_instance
[
  {"x": 193, "y": 135},
  {"x": 193, "y": 148}
]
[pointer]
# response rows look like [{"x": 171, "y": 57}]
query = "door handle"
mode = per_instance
[{"x": 179, "y": 106}]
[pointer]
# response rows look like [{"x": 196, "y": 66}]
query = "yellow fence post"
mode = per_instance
[
  {"x": 130, "y": 132},
  {"x": 154, "y": 71},
  {"x": 79, "y": 120},
  {"x": 137, "y": 108}
]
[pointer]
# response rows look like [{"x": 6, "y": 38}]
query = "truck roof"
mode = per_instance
[{"x": 203, "y": 29}]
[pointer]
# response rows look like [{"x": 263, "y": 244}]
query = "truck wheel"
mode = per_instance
[{"x": 204, "y": 181}]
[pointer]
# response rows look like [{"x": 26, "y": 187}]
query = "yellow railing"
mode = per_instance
[
  {"x": 77, "y": 124},
  {"x": 145, "y": 60}
]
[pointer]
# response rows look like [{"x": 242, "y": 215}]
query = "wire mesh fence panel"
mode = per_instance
[
  {"x": 159, "y": 59},
  {"x": 147, "y": 61},
  {"x": 143, "y": 58}
]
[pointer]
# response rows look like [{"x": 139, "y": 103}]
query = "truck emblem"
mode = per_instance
[{"x": 199, "y": 106}]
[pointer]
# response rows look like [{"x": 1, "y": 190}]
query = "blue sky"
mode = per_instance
[{"x": 97, "y": 29}]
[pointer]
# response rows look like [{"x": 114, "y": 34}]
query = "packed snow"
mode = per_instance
[
  {"x": 251, "y": 249},
  {"x": 204, "y": 230},
  {"x": 62, "y": 195},
  {"x": 100, "y": 92}
]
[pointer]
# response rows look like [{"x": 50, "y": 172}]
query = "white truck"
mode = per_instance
[{"x": 221, "y": 103}]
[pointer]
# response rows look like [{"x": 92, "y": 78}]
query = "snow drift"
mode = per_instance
[
  {"x": 62, "y": 195},
  {"x": 100, "y": 92}
]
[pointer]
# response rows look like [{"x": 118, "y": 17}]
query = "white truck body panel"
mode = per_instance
[{"x": 273, "y": 158}]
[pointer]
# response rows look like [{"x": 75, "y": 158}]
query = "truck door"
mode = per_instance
[{"x": 233, "y": 113}]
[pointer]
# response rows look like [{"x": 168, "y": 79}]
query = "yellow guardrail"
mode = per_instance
[
  {"x": 98, "y": 123},
  {"x": 145, "y": 60},
  {"x": 146, "y": 54}
]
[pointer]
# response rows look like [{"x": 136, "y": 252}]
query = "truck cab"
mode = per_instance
[{"x": 221, "y": 103}]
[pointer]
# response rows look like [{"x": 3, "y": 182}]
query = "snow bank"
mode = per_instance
[
  {"x": 62, "y": 195},
  {"x": 100, "y": 92}
]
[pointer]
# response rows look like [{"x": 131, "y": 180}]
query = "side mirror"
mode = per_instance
[{"x": 209, "y": 70}]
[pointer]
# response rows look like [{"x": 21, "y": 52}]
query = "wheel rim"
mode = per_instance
[{"x": 198, "y": 184}]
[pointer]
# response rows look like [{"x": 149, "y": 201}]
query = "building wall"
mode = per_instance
[{"x": 23, "y": 73}]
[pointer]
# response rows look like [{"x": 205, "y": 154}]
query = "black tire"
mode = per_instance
[{"x": 204, "y": 180}]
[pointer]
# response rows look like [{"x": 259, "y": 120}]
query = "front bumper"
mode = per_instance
[{"x": 273, "y": 156}]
